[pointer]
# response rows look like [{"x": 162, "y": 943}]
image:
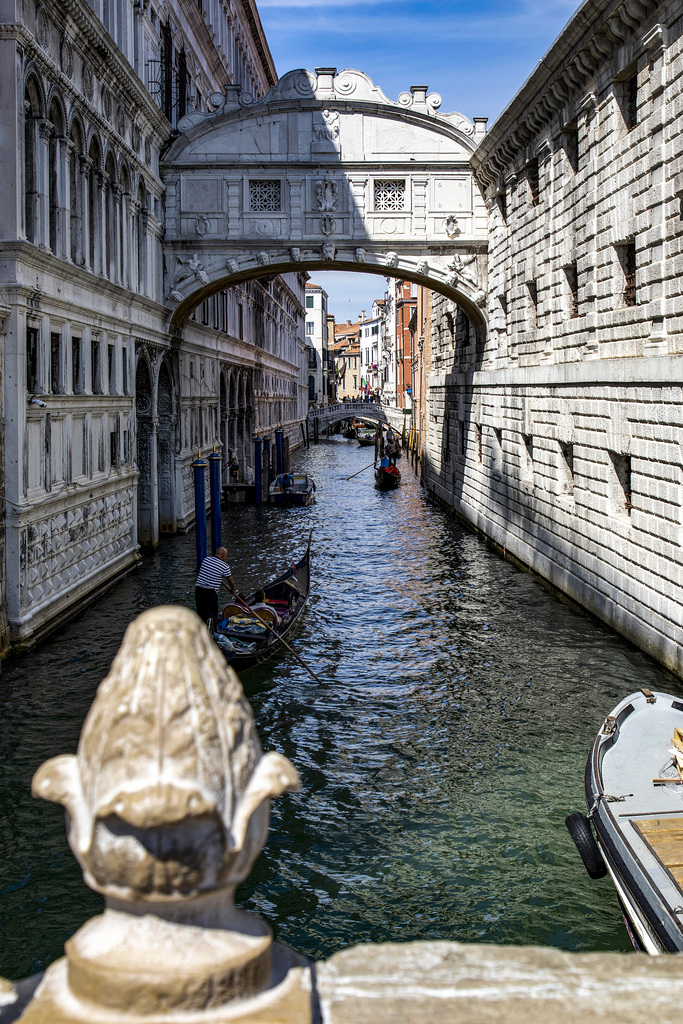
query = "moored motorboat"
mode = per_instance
[
  {"x": 634, "y": 793},
  {"x": 247, "y": 641},
  {"x": 387, "y": 478},
  {"x": 292, "y": 489}
]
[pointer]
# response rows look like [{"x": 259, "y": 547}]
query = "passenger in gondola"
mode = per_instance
[{"x": 259, "y": 606}]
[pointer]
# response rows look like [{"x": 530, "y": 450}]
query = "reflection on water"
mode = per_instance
[{"x": 438, "y": 759}]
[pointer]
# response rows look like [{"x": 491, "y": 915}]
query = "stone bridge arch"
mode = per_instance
[{"x": 324, "y": 173}]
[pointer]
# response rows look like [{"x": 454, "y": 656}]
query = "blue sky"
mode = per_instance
[{"x": 475, "y": 53}]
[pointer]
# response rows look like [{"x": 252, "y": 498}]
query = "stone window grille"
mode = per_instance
[
  {"x": 497, "y": 434},
  {"x": 480, "y": 443},
  {"x": 528, "y": 459},
  {"x": 462, "y": 433},
  {"x": 114, "y": 448},
  {"x": 627, "y": 258},
  {"x": 390, "y": 194},
  {"x": 265, "y": 196},
  {"x": 502, "y": 201},
  {"x": 572, "y": 275}
]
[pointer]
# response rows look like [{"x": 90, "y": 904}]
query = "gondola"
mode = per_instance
[
  {"x": 246, "y": 641},
  {"x": 387, "y": 478},
  {"x": 365, "y": 442},
  {"x": 634, "y": 790}
]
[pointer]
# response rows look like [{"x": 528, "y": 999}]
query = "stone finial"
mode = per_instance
[{"x": 168, "y": 802}]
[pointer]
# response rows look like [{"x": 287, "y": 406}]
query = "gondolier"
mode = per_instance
[{"x": 213, "y": 573}]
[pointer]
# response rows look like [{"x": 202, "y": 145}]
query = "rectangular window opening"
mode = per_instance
[
  {"x": 502, "y": 202},
  {"x": 95, "y": 368},
  {"x": 309, "y": 302},
  {"x": 567, "y": 467},
  {"x": 111, "y": 366},
  {"x": 622, "y": 470},
  {"x": 571, "y": 148},
  {"x": 76, "y": 381},
  {"x": 32, "y": 359},
  {"x": 114, "y": 448},
  {"x": 572, "y": 275},
  {"x": 629, "y": 102},
  {"x": 533, "y": 304},
  {"x": 124, "y": 370},
  {"x": 627, "y": 258},
  {"x": 55, "y": 363},
  {"x": 534, "y": 179}
]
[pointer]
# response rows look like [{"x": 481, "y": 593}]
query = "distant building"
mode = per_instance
[
  {"x": 347, "y": 359},
  {"x": 317, "y": 342}
]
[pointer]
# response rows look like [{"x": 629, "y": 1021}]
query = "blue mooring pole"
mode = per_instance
[
  {"x": 279, "y": 434},
  {"x": 200, "y": 507},
  {"x": 215, "y": 484},
  {"x": 266, "y": 448},
  {"x": 258, "y": 469}
]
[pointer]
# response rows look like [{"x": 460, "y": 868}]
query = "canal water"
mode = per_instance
[{"x": 438, "y": 758}]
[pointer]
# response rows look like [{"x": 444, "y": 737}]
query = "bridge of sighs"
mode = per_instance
[{"x": 324, "y": 173}]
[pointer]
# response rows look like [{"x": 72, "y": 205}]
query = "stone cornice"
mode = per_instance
[
  {"x": 259, "y": 37},
  {"x": 563, "y": 77}
]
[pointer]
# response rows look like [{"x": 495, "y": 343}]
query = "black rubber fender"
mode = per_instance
[{"x": 580, "y": 830}]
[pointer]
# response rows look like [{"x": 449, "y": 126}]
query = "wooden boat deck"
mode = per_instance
[{"x": 665, "y": 839}]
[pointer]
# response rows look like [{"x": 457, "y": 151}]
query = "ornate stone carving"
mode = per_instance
[
  {"x": 326, "y": 194},
  {"x": 452, "y": 226},
  {"x": 196, "y": 267},
  {"x": 295, "y": 253},
  {"x": 422, "y": 268},
  {"x": 329, "y": 251},
  {"x": 232, "y": 266},
  {"x": 391, "y": 259},
  {"x": 262, "y": 258},
  {"x": 202, "y": 226},
  {"x": 328, "y": 225},
  {"x": 178, "y": 296},
  {"x": 169, "y": 800},
  {"x": 459, "y": 271},
  {"x": 326, "y": 126},
  {"x": 359, "y": 255}
]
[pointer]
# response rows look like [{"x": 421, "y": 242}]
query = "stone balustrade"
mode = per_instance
[{"x": 168, "y": 804}]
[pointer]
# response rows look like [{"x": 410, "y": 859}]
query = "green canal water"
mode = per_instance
[{"x": 438, "y": 759}]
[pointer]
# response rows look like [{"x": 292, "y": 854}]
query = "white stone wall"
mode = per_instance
[
  {"x": 560, "y": 437},
  {"x": 82, "y": 218}
]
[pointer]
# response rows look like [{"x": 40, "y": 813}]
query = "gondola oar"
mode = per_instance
[
  {"x": 277, "y": 635},
  {"x": 361, "y": 470}
]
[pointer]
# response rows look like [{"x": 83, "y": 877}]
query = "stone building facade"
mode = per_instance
[
  {"x": 105, "y": 409},
  {"x": 560, "y": 436}
]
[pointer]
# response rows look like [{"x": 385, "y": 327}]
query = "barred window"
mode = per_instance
[
  {"x": 265, "y": 196},
  {"x": 390, "y": 194}
]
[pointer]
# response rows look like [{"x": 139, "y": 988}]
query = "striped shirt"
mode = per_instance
[{"x": 212, "y": 572}]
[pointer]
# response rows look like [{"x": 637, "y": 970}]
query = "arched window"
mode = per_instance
[
  {"x": 55, "y": 179},
  {"x": 142, "y": 239},
  {"x": 123, "y": 239},
  {"x": 94, "y": 209},
  {"x": 110, "y": 247},
  {"x": 31, "y": 117},
  {"x": 76, "y": 194}
]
